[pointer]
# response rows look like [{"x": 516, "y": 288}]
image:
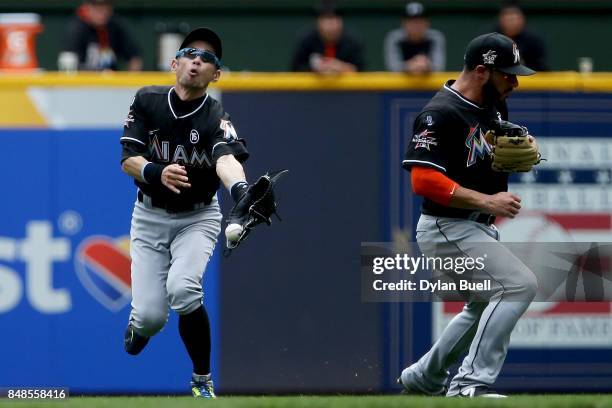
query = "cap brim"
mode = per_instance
[
  {"x": 206, "y": 35},
  {"x": 517, "y": 70}
]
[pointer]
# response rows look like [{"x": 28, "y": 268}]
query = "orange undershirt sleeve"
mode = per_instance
[{"x": 432, "y": 184}]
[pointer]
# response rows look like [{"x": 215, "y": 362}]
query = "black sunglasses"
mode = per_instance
[{"x": 193, "y": 53}]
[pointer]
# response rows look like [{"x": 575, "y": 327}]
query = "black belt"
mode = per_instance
[
  {"x": 483, "y": 218},
  {"x": 477, "y": 216},
  {"x": 171, "y": 207}
]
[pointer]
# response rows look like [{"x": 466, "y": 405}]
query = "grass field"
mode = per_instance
[{"x": 527, "y": 401}]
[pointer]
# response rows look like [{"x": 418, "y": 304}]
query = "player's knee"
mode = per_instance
[
  {"x": 151, "y": 322},
  {"x": 528, "y": 286},
  {"x": 531, "y": 286},
  {"x": 186, "y": 304},
  {"x": 184, "y": 295}
]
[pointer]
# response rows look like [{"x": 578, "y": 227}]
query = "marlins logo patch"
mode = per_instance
[{"x": 228, "y": 128}]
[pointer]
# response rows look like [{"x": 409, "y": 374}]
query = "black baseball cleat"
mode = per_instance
[
  {"x": 480, "y": 391},
  {"x": 133, "y": 342}
]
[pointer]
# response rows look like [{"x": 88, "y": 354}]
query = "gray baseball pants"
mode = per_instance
[
  {"x": 169, "y": 253},
  {"x": 482, "y": 330}
]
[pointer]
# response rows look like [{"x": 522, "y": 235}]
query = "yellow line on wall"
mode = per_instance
[
  {"x": 17, "y": 110},
  {"x": 370, "y": 81}
]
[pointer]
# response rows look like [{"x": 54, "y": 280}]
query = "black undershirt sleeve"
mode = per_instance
[{"x": 226, "y": 141}]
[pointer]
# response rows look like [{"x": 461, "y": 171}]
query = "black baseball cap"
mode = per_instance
[
  {"x": 497, "y": 51},
  {"x": 414, "y": 9},
  {"x": 207, "y": 35}
]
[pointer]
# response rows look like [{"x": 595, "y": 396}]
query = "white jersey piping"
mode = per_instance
[
  {"x": 425, "y": 162},
  {"x": 458, "y": 95},
  {"x": 190, "y": 113}
]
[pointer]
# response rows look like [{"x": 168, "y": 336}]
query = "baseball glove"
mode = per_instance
[
  {"x": 255, "y": 207},
  {"x": 513, "y": 148}
]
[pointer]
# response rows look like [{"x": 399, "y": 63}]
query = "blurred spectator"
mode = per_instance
[
  {"x": 415, "y": 47},
  {"x": 512, "y": 23},
  {"x": 100, "y": 40},
  {"x": 328, "y": 48}
]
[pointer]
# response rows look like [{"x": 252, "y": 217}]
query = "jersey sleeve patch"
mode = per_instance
[
  {"x": 134, "y": 126},
  {"x": 424, "y": 140},
  {"x": 425, "y": 146},
  {"x": 229, "y": 133},
  {"x": 130, "y": 116}
]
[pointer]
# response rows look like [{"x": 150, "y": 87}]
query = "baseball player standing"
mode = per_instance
[
  {"x": 179, "y": 145},
  {"x": 450, "y": 163}
]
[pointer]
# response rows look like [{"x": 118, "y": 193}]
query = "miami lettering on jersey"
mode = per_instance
[
  {"x": 477, "y": 144},
  {"x": 181, "y": 156}
]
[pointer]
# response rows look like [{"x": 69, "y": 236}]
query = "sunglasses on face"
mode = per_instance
[{"x": 193, "y": 53}]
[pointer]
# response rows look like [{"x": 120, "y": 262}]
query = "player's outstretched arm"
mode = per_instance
[
  {"x": 230, "y": 171},
  {"x": 231, "y": 174}
]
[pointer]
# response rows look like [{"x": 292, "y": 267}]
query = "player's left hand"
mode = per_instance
[
  {"x": 514, "y": 149},
  {"x": 256, "y": 206}
]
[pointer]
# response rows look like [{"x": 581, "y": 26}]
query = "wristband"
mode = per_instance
[
  {"x": 238, "y": 190},
  {"x": 151, "y": 173}
]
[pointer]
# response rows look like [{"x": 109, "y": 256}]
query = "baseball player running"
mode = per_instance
[
  {"x": 451, "y": 167},
  {"x": 179, "y": 145}
]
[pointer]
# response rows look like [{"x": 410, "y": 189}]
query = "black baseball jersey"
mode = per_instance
[
  {"x": 448, "y": 136},
  {"x": 163, "y": 129}
]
